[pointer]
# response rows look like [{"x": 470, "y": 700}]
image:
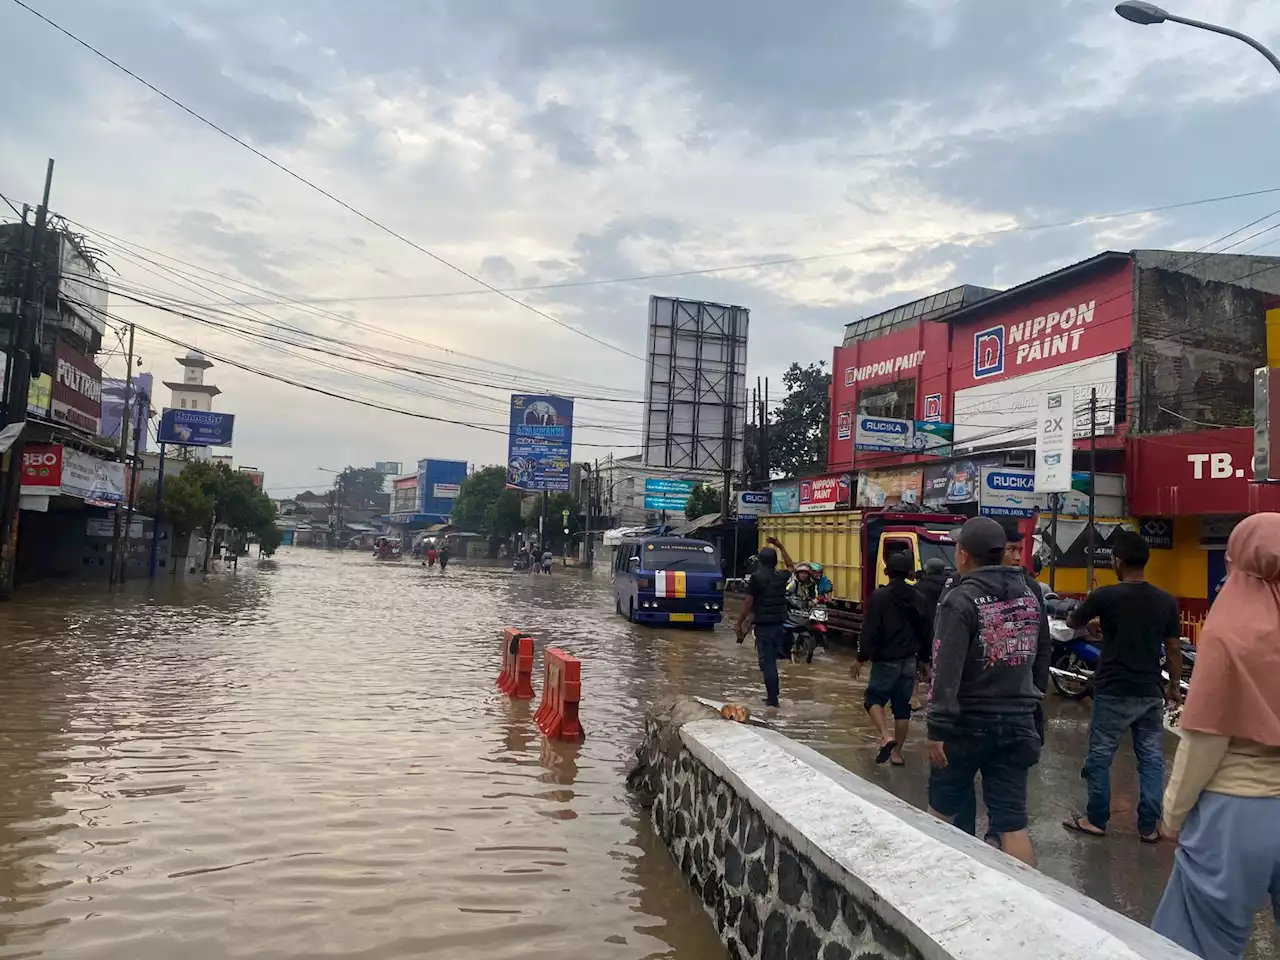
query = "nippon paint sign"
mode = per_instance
[
  {"x": 882, "y": 368},
  {"x": 819, "y": 494}
]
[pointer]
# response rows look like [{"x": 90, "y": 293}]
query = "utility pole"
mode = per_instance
[
  {"x": 1055, "y": 501},
  {"x": 133, "y": 487},
  {"x": 22, "y": 346},
  {"x": 124, "y": 453},
  {"x": 1093, "y": 481},
  {"x": 156, "y": 514}
]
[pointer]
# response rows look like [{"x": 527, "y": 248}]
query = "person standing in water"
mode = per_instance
[{"x": 766, "y": 603}]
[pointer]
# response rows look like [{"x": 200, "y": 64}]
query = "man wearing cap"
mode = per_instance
[
  {"x": 893, "y": 633},
  {"x": 990, "y": 663},
  {"x": 766, "y": 603}
]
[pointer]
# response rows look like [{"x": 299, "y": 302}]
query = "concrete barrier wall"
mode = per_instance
[{"x": 796, "y": 857}]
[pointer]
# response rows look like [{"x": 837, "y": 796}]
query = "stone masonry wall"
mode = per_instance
[
  {"x": 767, "y": 901},
  {"x": 796, "y": 858}
]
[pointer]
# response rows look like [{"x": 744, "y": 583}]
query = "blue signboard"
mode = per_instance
[
  {"x": 1009, "y": 492},
  {"x": 539, "y": 442},
  {"x": 785, "y": 497},
  {"x": 661, "y": 493},
  {"x": 195, "y": 428},
  {"x": 439, "y": 482}
]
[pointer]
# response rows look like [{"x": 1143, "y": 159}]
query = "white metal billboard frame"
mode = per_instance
[{"x": 695, "y": 409}]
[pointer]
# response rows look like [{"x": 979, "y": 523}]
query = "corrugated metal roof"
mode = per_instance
[{"x": 1071, "y": 272}]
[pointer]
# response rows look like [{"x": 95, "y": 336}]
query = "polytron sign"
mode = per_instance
[{"x": 1006, "y": 347}]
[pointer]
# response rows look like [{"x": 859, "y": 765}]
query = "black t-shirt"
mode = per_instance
[{"x": 1136, "y": 619}]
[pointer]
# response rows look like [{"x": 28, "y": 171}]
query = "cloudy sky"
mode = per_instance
[{"x": 578, "y": 141}]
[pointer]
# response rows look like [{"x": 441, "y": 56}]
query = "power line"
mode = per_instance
[{"x": 318, "y": 189}]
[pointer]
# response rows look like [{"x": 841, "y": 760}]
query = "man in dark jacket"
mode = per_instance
[
  {"x": 766, "y": 603},
  {"x": 893, "y": 635},
  {"x": 990, "y": 663},
  {"x": 930, "y": 587}
]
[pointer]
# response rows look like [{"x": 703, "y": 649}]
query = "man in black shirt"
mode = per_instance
[
  {"x": 1138, "y": 621},
  {"x": 767, "y": 603}
]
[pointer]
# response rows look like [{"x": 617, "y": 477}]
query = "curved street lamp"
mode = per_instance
[{"x": 1138, "y": 11}]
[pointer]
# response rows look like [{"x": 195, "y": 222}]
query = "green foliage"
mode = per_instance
[
  {"x": 798, "y": 428},
  {"x": 703, "y": 500},
  {"x": 361, "y": 486},
  {"x": 207, "y": 494},
  {"x": 478, "y": 493},
  {"x": 269, "y": 539},
  {"x": 503, "y": 518}
]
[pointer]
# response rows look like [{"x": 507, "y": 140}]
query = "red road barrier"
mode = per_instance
[
  {"x": 557, "y": 717},
  {"x": 516, "y": 679}
]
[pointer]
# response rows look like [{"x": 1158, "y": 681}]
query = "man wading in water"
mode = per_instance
[{"x": 767, "y": 601}]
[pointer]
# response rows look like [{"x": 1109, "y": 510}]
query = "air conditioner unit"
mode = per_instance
[{"x": 1021, "y": 458}]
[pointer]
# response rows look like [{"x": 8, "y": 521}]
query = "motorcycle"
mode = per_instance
[
  {"x": 1075, "y": 656},
  {"x": 806, "y": 627}
]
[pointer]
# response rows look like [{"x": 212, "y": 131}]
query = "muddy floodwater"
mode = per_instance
[{"x": 308, "y": 758}]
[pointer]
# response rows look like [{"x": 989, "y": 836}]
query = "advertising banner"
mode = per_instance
[
  {"x": 931, "y": 437},
  {"x": 539, "y": 442},
  {"x": 254, "y": 474},
  {"x": 446, "y": 491},
  {"x": 113, "y": 394},
  {"x": 888, "y": 488},
  {"x": 196, "y": 428},
  {"x": 825, "y": 493},
  {"x": 1195, "y": 474},
  {"x": 1009, "y": 492},
  {"x": 661, "y": 493},
  {"x": 77, "y": 390},
  {"x": 89, "y": 478},
  {"x": 882, "y": 434},
  {"x": 1054, "y": 439},
  {"x": 784, "y": 497},
  {"x": 1157, "y": 531},
  {"x": 844, "y": 425},
  {"x": 955, "y": 483},
  {"x": 39, "y": 395},
  {"x": 996, "y": 414},
  {"x": 41, "y": 469},
  {"x": 404, "y": 494},
  {"x": 752, "y": 504}
]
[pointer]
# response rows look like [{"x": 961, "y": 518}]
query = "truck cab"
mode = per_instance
[{"x": 923, "y": 538}]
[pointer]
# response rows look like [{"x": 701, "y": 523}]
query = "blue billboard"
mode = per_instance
[
  {"x": 195, "y": 428},
  {"x": 439, "y": 483},
  {"x": 539, "y": 442},
  {"x": 664, "y": 494}
]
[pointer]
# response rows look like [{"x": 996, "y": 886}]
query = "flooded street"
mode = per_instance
[{"x": 309, "y": 758}]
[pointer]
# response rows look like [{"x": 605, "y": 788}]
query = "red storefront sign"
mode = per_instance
[
  {"x": 1090, "y": 319},
  {"x": 826, "y": 493},
  {"x": 1196, "y": 474},
  {"x": 77, "y": 389},
  {"x": 42, "y": 469}
]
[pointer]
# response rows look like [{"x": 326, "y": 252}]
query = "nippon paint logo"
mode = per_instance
[
  {"x": 1056, "y": 333},
  {"x": 908, "y": 361}
]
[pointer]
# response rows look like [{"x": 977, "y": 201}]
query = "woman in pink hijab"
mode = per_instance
[{"x": 1224, "y": 795}]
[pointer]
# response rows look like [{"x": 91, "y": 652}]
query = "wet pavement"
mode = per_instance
[{"x": 309, "y": 758}]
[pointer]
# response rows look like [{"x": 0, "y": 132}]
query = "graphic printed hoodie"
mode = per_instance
[{"x": 991, "y": 650}]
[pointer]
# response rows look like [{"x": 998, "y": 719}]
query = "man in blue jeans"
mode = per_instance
[
  {"x": 1138, "y": 621},
  {"x": 991, "y": 650},
  {"x": 766, "y": 604}
]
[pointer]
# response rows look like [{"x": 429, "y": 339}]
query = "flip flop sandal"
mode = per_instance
[
  {"x": 897, "y": 763},
  {"x": 1150, "y": 838},
  {"x": 1074, "y": 824},
  {"x": 885, "y": 750}
]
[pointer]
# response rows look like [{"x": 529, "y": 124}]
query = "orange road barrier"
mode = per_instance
[
  {"x": 516, "y": 679},
  {"x": 557, "y": 717}
]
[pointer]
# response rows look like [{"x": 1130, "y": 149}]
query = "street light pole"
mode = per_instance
[{"x": 1138, "y": 11}]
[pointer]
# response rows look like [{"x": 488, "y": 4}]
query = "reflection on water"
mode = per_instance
[{"x": 309, "y": 757}]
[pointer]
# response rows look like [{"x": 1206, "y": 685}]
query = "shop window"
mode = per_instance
[{"x": 896, "y": 400}]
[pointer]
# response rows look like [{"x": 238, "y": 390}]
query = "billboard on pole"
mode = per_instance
[
  {"x": 1055, "y": 433},
  {"x": 195, "y": 428},
  {"x": 539, "y": 442},
  {"x": 695, "y": 396}
]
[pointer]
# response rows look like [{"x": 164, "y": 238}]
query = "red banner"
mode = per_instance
[
  {"x": 1196, "y": 474},
  {"x": 825, "y": 493},
  {"x": 42, "y": 469},
  {"x": 77, "y": 389}
]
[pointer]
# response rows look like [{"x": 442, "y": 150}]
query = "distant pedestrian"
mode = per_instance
[
  {"x": 1139, "y": 621},
  {"x": 443, "y": 557},
  {"x": 990, "y": 662},
  {"x": 930, "y": 586},
  {"x": 893, "y": 634},
  {"x": 1224, "y": 795},
  {"x": 432, "y": 555},
  {"x": 766, "y": 605},
  {"x": 548, "y": 560}
]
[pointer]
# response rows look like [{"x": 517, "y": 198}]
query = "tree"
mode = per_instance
[
  {"x": 798, "y": 428},
  {"x": 703, "y": 500},
  {"x": 554, "y": 534},
  {"x": 504, "y": 518},
  {"x": 476, "y": 495},
  {"x": 361, "y": 486},
  {"x": 269, "y": 539}
]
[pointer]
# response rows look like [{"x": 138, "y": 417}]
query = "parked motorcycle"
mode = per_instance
[{"x": 806, "y": 627}]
